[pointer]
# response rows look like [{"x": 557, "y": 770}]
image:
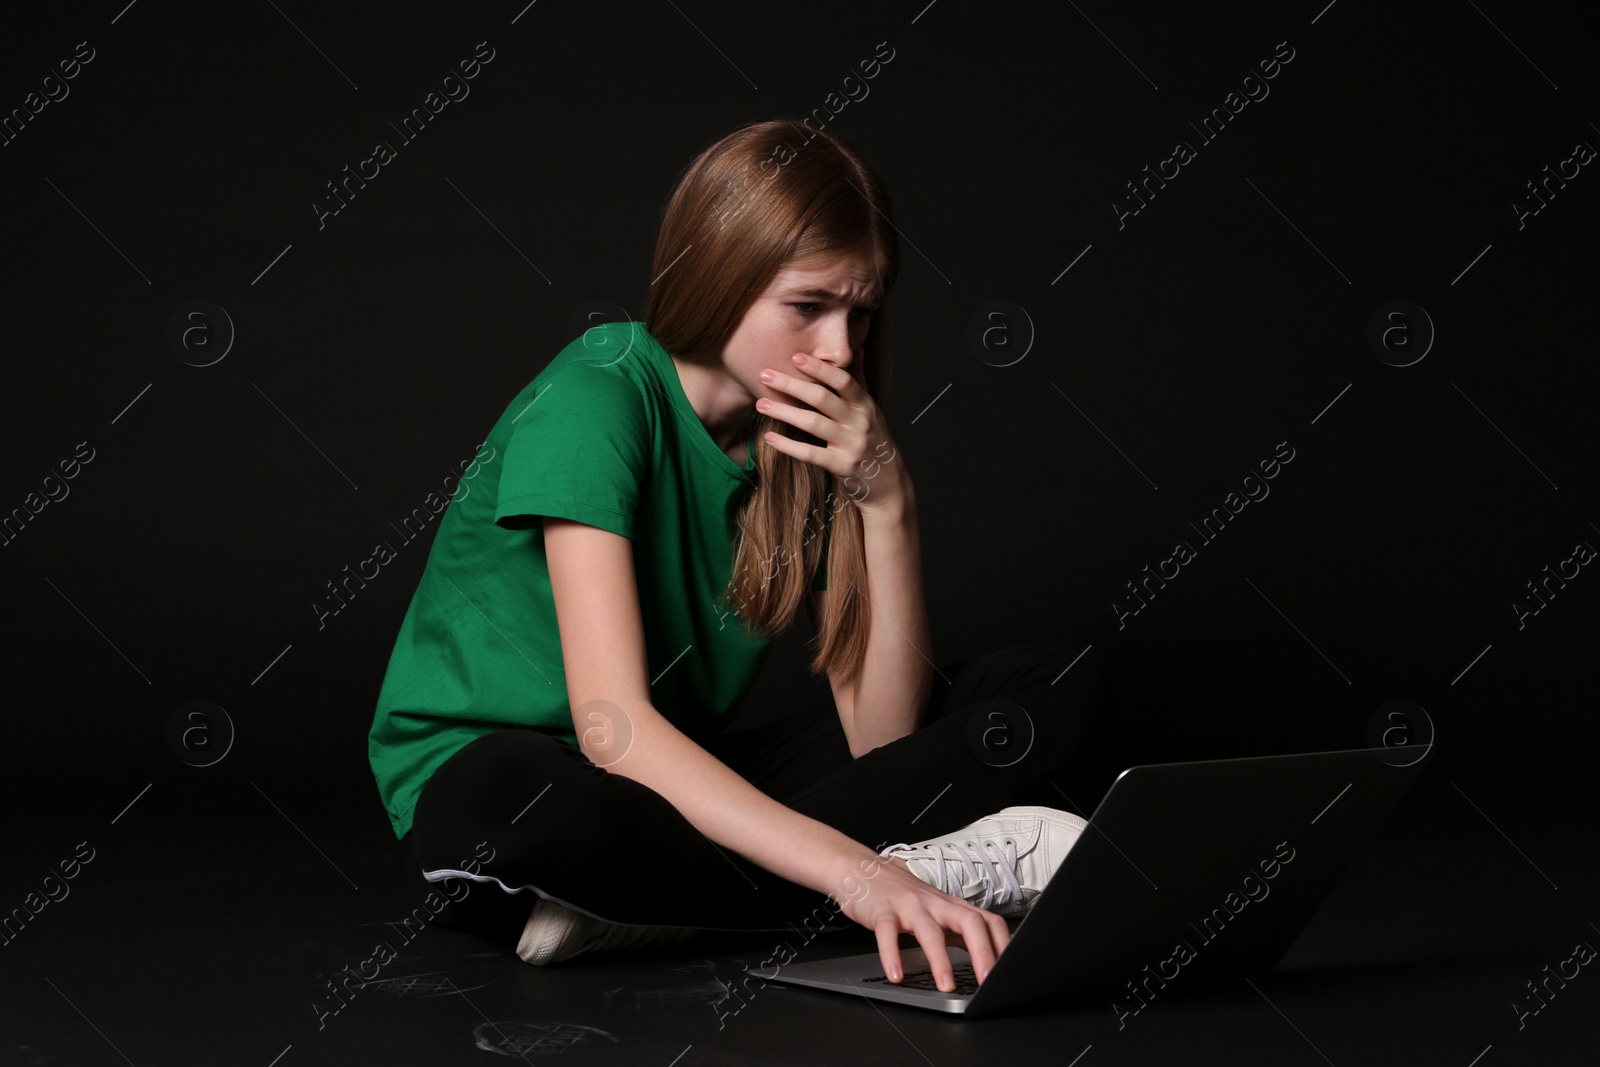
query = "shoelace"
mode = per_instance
[{"x": 963, "y": 859}]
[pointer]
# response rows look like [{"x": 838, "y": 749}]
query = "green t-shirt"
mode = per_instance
[{"x": 606, "y": 436}]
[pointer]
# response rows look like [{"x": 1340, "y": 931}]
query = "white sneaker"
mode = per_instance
[
  {"x": 555, "y": 932},
  {"x": 1000, "y": 863}
]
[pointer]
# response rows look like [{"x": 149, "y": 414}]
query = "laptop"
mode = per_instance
[{"x": 1185, "y": 870}]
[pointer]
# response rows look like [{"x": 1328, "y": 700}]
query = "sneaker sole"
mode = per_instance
[{"x": 551, "y": 933}]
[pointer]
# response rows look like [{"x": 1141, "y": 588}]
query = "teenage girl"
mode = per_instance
[{"x": 641, "y": 522}]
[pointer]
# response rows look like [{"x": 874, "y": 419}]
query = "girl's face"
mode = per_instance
[{"x": 822, "y": 309}]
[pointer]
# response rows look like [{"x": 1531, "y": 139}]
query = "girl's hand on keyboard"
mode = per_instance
[{"x": 897, "y": 901}]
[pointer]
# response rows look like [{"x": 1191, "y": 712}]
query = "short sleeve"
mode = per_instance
[{"x": 579, "y": 451}]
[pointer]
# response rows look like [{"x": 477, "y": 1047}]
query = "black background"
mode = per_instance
[
  {"x": 373, "y": 354},
  {"x": 1173, "y": 357}
]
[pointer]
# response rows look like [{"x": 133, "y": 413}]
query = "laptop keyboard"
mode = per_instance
[{"x": 966, "y": 980}]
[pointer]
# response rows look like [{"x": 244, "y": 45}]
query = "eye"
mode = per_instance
[{"x": 810, "y": 308}]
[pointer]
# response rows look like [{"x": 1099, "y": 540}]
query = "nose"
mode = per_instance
[{"x": 834, "y": 345}]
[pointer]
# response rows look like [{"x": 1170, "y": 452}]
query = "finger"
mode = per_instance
[
  {"x": 802, "y": 409},
  {"x": 1000, "y": 931},
  {"x": 800, "y": 450},
  {"x": 979, "y": 943},
  {"x": 821, "y": 370},
  {"x": 812, "y": 421},
  {"x": 845, "y": 382},
  {"x": 889, "y": 951},
  {"x": 818, "y": 382},
  {"x": 931, "y": 938}
]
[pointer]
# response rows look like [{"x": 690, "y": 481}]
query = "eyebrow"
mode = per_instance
[{"x": 826, "y": 294}]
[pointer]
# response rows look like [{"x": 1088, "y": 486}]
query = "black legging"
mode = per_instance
[{"x": 616, "y": 849}]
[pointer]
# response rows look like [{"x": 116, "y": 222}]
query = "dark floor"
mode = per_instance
[{"x": 210, "y": 938}]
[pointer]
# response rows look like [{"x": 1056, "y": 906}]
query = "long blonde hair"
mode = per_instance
[{"x": 769, "y": 195}]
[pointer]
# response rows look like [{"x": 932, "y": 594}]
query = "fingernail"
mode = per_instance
[
  {"x": 894, "y": 974},
  {"x": 800, "y": 359},
  {"x": 766, "y": 376}
]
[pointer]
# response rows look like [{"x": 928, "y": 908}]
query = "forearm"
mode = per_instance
[
  {"x": 729, "y": 810},
  {"x": 896, "y": 678}
]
